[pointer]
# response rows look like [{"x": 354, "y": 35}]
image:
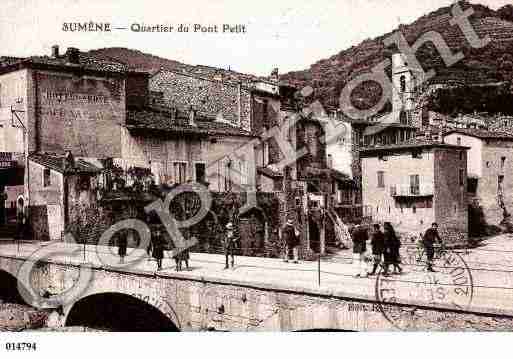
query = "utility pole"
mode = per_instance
[{"x": 26, "y": 185}]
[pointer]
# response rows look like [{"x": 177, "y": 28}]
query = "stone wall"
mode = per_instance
[
  {"x": 193, "y": 304},
  {"x": 450, "y": 198},
  {"x": 230, "y": 100},
  {"x": 488, "y": 193}
]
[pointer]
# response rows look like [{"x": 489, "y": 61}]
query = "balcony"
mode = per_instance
[{"x": 411, "y": 191}]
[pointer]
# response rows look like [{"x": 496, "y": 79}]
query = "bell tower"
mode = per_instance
[{"x": 404, "y": 89}]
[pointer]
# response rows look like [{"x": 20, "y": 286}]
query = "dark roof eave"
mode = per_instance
[
  {"x": 410, "y": 147},
  {"x": 73, "y": 68},
  {"x": 187, "y": 131},
  {"x": 498, "y": 136}
]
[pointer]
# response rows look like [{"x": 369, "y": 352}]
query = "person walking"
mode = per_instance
[
  {"x": 377, "y": 244},
  {"x": 290, "y": 236},
  {"x": 157, "y": 248},
  {"x": 229, "y": 245},
  {"x": 394, "y": 244},
  {"x": 428, "y": 241},
  {"x": 182, "y": 256},
  {"x": 360, "y": 238},
  {"x": 122, "y": 246}
]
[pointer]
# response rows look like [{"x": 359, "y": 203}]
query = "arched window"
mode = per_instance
[{"x": 403, "y": 83}]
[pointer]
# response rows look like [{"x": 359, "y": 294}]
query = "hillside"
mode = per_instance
[
  {"x": 491, "y": 64},
  {"x": 136, "y": 59},
  {"x": 494, "y": 63}
]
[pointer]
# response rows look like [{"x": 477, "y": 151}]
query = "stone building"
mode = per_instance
[
  {"x": 58, "y": 185},
  {"x": 490, "y": 170},
  {"x": 414, "y": 184}
]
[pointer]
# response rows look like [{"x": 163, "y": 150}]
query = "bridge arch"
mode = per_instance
[
  {"x": 119, "y": 312},
  {"x": 10, "y": 288}
]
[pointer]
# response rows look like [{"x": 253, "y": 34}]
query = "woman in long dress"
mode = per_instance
[{"x": 392, "y": 246}]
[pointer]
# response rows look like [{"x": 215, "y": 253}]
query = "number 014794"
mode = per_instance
[{"x": 11, "y": 346}]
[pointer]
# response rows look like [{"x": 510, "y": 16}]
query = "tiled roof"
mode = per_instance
[
  {"x": 57, "y": 163},
  {"x": 482, "y": 134},
  {"x": 162, "y": 120},
  {"x": 85, "y": 62},
  {"x": 415, "y": 143}
]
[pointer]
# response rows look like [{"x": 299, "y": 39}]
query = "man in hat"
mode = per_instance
[
  {"x": 430, "y": 237},
  {"x": 290, "y": 236},
  {"x": 229, "y": 244}
]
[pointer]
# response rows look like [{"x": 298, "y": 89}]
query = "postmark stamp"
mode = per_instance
[{"x": 405, "y": 300}]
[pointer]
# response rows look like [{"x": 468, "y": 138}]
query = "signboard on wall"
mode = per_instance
[{"x": 81, "y": 114}]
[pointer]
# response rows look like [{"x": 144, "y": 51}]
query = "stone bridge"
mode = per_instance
[{"x": 258, "y": 295}]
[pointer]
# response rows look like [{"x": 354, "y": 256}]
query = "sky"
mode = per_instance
[{"x": 287, "y": 34}]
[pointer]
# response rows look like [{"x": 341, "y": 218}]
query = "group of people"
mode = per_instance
[
  {"x": 385, "y": 246},
  {"x": 158, "y": 245}
]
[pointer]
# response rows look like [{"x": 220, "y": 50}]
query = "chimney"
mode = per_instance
[
  {"x": 73, "y": 55},
  {"x": 192, "y": 116},
  {"x": 55, "y": 51}
]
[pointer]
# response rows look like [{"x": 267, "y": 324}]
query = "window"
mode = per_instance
[
  {"x": 461, "y": 156},
  {"x": 500, "y": 180},
  {"x": 462, "y": 177},
  {"x": 416, "y": 154},
  {"x": 266, "y": 153},
  {"x": 503, "y": 162},
  {"x": 199, "y": 171},
  {"x": 415, "y": 184},
  {"x": 180, "y": 172},
  {"x": 458, "y": 141},
  {"x": 47, "y": 181},
  {"x": 414, "y": 209},
  {"x": 403, "y": 83},
  {"x": 381, "y": 179},
  {"x": 243, "y": 170},
  {"x": 228, "y": 176}
]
